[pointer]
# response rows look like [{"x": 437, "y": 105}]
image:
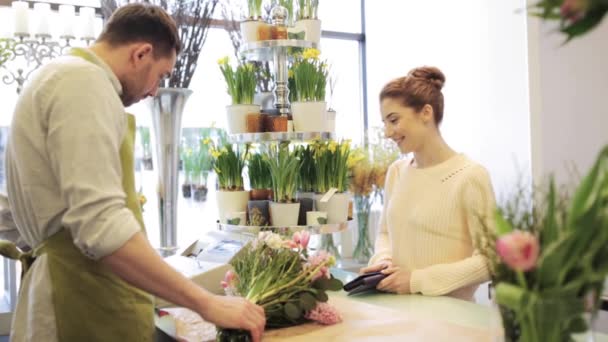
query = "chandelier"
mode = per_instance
[{"x": 35, "y": 34}]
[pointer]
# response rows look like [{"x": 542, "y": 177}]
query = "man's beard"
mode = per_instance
[{"x": 127, "y": 97}]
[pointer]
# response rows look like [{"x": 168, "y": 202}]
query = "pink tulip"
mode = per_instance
[
  {"x": 301, "y": 238},
  {"x": 519, "y": 250},
  {"x": 574, "y": 10},
  {"x": 304, "y": 238}
]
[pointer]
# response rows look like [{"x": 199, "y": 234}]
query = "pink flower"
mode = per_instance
[
  {"x": 324, "y": 314},
  {"x": 574, "y": 10},
  {"x": 301, "y": 238},
  {"x": 519, "y": 250}
]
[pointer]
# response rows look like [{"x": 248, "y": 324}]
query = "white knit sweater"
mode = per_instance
[{"x": 429, "y": 221}]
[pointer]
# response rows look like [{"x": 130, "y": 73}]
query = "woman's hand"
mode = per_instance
[
  {"x": 383, "y": 264},
  {"x": 398, "y": 281}
]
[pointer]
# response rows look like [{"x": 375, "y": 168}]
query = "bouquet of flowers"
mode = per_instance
[
  {"x": 576, "y": 17},
  {"x": 279, "y": 275},
  {"x": 241, "y": 82},
  {"x": 368, "y": 167},
  {"x": 549, "y": 259},
  {"x": 228, "y": 166}
]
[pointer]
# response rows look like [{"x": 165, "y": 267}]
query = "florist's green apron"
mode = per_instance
[{"x": 90, "y": 302}]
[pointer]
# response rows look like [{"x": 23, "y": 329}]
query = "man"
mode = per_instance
[{"x": 71, "y": 191}]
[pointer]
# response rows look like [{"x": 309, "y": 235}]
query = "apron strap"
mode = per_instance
[{"x": 9, "y": 250}]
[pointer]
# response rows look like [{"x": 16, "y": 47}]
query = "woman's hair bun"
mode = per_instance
[{"x": 430, "y": 74}]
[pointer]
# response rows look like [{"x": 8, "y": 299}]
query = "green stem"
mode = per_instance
[{"x": 521, "y": 279}]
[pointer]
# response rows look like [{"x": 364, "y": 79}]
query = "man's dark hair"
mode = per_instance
[{"x": 141, "y": 22}]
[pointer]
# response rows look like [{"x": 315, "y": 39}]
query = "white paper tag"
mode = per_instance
[{"x": 328, "y": 195}]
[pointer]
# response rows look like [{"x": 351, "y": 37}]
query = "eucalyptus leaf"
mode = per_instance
[
  {"x": 335, "y": 284},
  {"x": 307, "y": 301},
  {"x": 292, "y": 311},
  {"x": 321, "y": 296}
]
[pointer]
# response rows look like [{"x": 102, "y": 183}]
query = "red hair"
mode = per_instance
[{"x": 420, "y": 87}]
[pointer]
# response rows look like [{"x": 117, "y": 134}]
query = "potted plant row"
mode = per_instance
[{"x": 301, "y": 21}]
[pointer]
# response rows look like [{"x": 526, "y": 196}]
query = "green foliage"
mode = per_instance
[
  {"x": 573, "y": 262},
  {"x": 331, "y": 165},
  {"x": 228, "y": 166},
  {"x": 309, "y": 76},
  {"x": 280, "y": 279},
  {"x": 306, "y": 174},
  {"x": 283, "y": 166},
  {"x": 259, "y": 172},
  {"x": 240, "y": 82},
  {"x": 576, "y": 17},
  {"x": 308, "y": 9}
]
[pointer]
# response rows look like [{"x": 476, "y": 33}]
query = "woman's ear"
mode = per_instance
[{"x": 427, "y": 114}]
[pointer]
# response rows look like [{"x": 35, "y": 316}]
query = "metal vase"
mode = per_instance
[{"x": 167, "y": 108}]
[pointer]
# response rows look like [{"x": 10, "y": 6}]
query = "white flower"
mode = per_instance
[{"x": 274, "y": 241}]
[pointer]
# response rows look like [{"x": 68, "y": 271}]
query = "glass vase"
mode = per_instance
[
  {"x": 328, "y": 244},
  {"x": 548, "y": 318},
  {"x": 364, "y": 249}
]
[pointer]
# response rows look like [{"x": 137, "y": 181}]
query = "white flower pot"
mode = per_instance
[
  {"x": 237, "y": 117},
  {"x": 312, "y": 29},
  {"x": 249, "y": 30},
  {"x": 309, "y": 116},
  {"x": 331, "y": 121},
  {"x": 231, "y": 202},
  {"x": 284, "y": 214},
  {"x": 336, "y": 207},
  {"x": 312, "y": 217}
]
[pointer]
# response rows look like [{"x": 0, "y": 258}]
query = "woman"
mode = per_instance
[{"x": 436, "y": 202}]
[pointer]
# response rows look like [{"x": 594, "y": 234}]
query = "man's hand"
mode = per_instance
[
  {"x": 383, "y": 264},
  {"x": 398, "y": 281},
  {"x": 235, "y": 313}
]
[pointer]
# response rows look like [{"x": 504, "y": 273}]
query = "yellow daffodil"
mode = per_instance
[
  {"x": 290, "y": 73},
  {"x": 207, "y": 141},
  {"x": 223, "y": 61},
  {"x": 215, "y": 153},
  {"x": 311, "y": 54},
  {"x": 332, "y": 146}
]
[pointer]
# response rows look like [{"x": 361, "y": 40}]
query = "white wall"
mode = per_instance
[
  {"x": 569, "y": 98},
  {"x": 481, "y": 47}
]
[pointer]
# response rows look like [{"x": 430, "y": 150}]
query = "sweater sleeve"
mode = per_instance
[
  {"x": 382, "y": 247},
  {"x": 478, "y": 206}
]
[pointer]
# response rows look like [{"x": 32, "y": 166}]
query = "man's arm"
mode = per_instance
[{"x": 138, "y": 263}]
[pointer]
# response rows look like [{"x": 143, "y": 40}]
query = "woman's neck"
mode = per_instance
[{"x": 433, "y": 152}]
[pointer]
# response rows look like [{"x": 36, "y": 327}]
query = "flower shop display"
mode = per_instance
[
  {"x": 228, "y": 165},
  {"x": 279, "y": 275},
  {"x": 283, "y": 166},
  {"x": 310, "y": 80},
  {"x": 576, "y": 17},
  {"x": 549, "y": 258},
  {"x": 241, "y": 84}
]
